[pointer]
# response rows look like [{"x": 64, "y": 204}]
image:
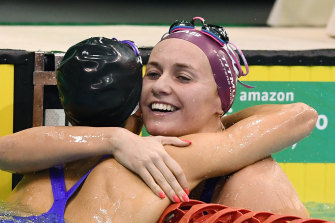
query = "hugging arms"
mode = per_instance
[
  {"x": 259, "y": 132},
  {"x": 173, "y": 77},
  {"x": 210, "y": 155}
]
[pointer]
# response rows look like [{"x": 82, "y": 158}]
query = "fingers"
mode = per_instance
[
  {"x": 149, "y": 180},
  {"x": 159, "y": 171},
  {"x": 174, "y": 141},
  {"x": 153, "y": 177},
  {"x": 178, "y": 173},
  {"x": 167, "y": 181},
  {"x": 175, "y": 177}
]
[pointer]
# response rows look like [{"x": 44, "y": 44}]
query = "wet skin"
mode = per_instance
[
  {"x": 111, "y": 192},
  {"x": 178, "y": 75}
]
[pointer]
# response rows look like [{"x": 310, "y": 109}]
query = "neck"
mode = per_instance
[
  {"x": 215, "y": 126},
  {"x": 134, "y": 124}
]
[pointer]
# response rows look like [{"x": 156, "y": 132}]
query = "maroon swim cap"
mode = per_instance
[{"x": 223, "y": 66}]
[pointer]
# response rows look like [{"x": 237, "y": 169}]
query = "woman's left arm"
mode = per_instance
[{"x": 250, "y": 139}]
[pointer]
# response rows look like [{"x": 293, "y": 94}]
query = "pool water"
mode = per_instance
[
  {"x": 8, "y": 210},
  {"x": 324, "y": 211},
  {"x": 316, "y": 210}
]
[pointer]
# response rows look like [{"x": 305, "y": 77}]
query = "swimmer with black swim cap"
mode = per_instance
[{"x": 99, "y": 82}]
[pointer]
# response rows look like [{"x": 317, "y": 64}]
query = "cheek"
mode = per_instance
[
  {"x": 200, "y": 96},
  {"x": 145, "y": 90},
  {"x": 207, "y": 101},
  {"x": 194, "y": 104}
]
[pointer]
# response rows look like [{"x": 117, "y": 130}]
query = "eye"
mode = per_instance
[
  {"x": 152, "y": 75},
  {"x": 183, "y": 78}
]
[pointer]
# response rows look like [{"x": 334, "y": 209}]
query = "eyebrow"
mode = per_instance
[
  {"x": 182, "y": 65},
  {"x": 178, "y": 65},
  {"x": 155, "y": 64}
]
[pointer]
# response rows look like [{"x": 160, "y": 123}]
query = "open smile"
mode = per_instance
[{"x": 162, "y": 107}]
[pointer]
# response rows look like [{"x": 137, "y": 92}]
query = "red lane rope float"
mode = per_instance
[
  {"x": 199, "y": 212},
  {"x": 176, "y": 211},
  {"x": 253, "y": 217}
]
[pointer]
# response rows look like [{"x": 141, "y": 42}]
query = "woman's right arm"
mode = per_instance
[
  {"x": 253, "y": 137},
  {"x": 43, "y": 147}
]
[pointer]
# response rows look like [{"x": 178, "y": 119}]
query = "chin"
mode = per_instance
[{"x": 159, "y": 131}]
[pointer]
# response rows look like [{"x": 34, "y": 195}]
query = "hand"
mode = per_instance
[{"x": 147, "y": 157}]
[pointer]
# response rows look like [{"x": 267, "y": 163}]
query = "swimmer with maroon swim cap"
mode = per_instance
[{"x": 214, "y": 42}]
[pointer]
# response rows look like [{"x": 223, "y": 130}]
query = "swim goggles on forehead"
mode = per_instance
[{"x": 217, "y": 33}]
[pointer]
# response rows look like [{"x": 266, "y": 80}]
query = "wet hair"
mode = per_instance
[
  {"x": 224, "y": 67},
  {"x": 100, "y": 82}
]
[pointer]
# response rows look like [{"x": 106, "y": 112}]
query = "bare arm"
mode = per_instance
[
  {"x": 42, "y": 147},
  {"x": 259, "y": 131},
  {"x": 229, "y": 120},
  {"x": 258, "y": 135}
]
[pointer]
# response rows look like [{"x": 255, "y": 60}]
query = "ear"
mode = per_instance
[{"x": 218, "y": 106}]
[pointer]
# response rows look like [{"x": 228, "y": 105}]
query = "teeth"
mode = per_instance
[{"x": 163, "y": 107}]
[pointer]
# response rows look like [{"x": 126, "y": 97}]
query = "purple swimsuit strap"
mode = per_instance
[{"x": 61, "y": 196}]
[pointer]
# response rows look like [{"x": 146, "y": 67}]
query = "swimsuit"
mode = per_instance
[
  {"x": 208, "y": 191},
  {"x": 61, "y": 196}
]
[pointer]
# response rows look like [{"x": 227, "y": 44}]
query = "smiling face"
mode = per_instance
[{"x": 179, "y": 94}]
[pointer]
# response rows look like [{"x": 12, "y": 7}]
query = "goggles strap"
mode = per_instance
[
  {"x": 232, "y": 54},
  {"x": 199, "y": 18},
  {"x": 239, "y": 65},
  {"x": 213, "y": 36},
  {"x": 179, "y": 28},
  {"x": 243, "y": 58},
  {"x": 132, "y": 45},
  {"x": 245, "y": 85}
]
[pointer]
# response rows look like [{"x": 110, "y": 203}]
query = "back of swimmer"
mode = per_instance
[{"x": 99, "y": 82}]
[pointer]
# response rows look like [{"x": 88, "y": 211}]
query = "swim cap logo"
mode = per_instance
[
  {"x": 227, "y": 49},
  {"x": 195, "y": 34},
  {"x": 190, "y": 33},
  {"x": 227, "y": 73},
  {"x": 139, "y": 60}
]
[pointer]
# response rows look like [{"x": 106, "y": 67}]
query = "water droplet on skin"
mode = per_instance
[
  {"x": 97, "y": 219},
  {"x": 293, "y": 146},
  {"x": 78, "y": 139},
  {"x": 103, "y": 211}
]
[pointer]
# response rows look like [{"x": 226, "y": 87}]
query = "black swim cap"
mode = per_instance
[{"x": 99, "y": 81}]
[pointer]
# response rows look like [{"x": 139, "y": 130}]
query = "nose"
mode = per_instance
[{"x": 162, "y": 86}]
